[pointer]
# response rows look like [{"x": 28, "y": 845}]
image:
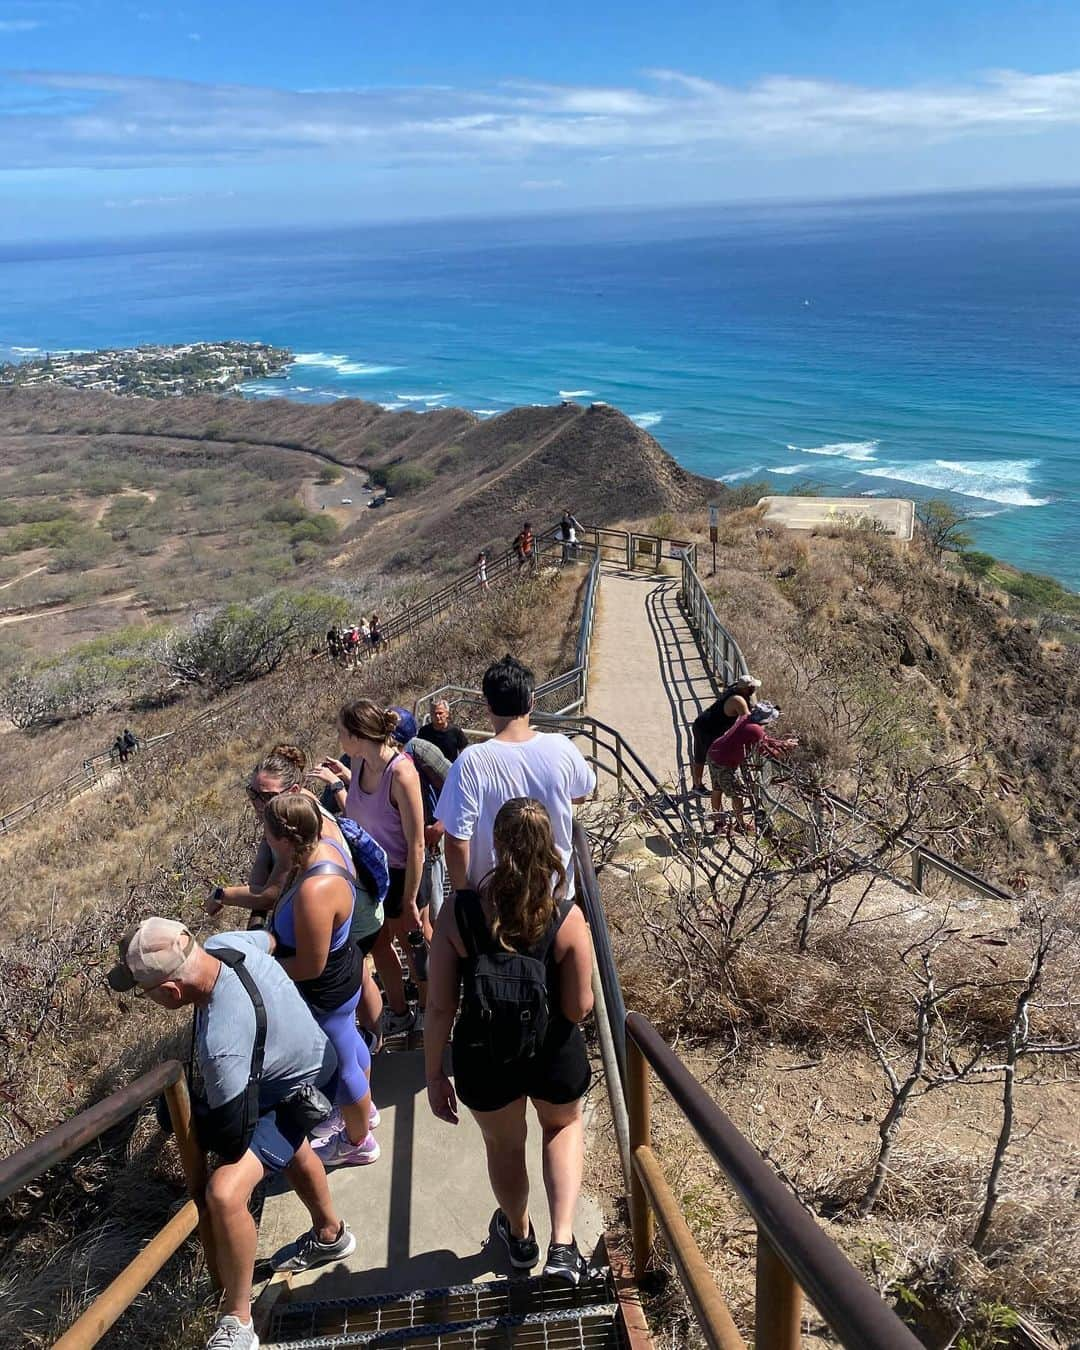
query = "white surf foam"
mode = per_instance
[
  {"x": 857, "y": 450},
  {"x": 793, "y": 468},
  {"x": 391, "y": 407},
  {"x": 422, "y": 398},
  {"x": 343, "y": 365},
  {"x": 486, "y": 412},
  {"x": 741, "y": 473},
  {"x": 24, "y": 351},
  {"x": 647, "y": 420},
  {"x": 563, "y": 393},
  {"x": 1005, "y": 481}
]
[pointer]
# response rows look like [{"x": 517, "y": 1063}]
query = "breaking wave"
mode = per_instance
[
  {"x": 343, "y": 365},
  {"x": 1006, "y": 481},
  {"x": 573, "y": 393},
  {"x": 856, "y": 450},
  {"x": 740, "y": 473},
  {"x": 647, "y": 420}
]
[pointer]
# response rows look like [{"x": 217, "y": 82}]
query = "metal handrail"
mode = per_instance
[
  {"x": 855, "y": 1312},
  {"x": 23, "y": 1166}
]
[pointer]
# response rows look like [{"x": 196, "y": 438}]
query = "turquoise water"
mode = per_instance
[{"x": 923, "y": 347}]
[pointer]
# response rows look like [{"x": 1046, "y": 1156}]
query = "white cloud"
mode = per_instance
[
  {"x": 19, "y": 25},
  {"x": 86, "y": 120}
]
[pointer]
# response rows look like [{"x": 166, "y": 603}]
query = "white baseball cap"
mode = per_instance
[{"x": 151, "y": 953}]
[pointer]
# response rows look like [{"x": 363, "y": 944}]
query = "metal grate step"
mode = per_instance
[{"x": 534, "y": 1314}]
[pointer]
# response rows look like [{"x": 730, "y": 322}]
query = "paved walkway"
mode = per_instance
[
  {"x": 647, "y": 678},
  {"x": 421, "y": 1214}
]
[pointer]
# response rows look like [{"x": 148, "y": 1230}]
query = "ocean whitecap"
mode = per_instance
[
  {"x": 740, "y": 474},
  {"x": 575, "y": 393},
  {"x": 793, "y": 468},
  {"x": 343, "y": 365},
  {"x": 856, "y": 450},
  {"x": 647, "y": 420},
  {"x": 24, "y": 351},
  {"x": 485, "y": 412},
  {"x": 1004, "y": 481},
  {"x": 422, "y": 398}
]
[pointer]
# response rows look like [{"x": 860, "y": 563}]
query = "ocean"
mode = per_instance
[{"x": 915, "y": 347}]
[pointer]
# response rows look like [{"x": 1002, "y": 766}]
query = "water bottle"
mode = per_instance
[{"x": 419, "y": 949}]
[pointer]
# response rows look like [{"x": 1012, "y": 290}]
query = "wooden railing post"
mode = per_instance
[
  {"x": 778, "y": 1311},
  {"x": 917, "y": 868},
  {"x": 639, "y": 1109},
  {"x": 193, "y": 1160}
]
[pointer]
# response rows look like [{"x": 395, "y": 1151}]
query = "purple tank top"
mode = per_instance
[{"x": 377, "y": 814}]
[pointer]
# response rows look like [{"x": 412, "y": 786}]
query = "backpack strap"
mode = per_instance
[
  {"x": 472, "y": 925},
  {"x": 228, "y": 956},
  {"x": 542, "y": 950},
  {"x": 329, "y": 869}
]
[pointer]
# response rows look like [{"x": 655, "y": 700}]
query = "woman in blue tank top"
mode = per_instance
[{"x": 310, "y": 930}]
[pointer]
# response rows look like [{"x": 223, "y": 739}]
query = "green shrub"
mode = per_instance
[
  {"x": 288, "y": 513},
  {"x": 319, "y": 529},
  {"x": 978, "y": 564},
  {"x": 330, "y": 473},
  {"x": 404, "y": 478}
]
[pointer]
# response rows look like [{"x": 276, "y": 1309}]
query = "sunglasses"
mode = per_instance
[{"x": 254, "y": 795}]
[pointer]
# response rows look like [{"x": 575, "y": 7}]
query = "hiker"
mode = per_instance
[
  {"x": 131, "y": 741},
  {"x": 517, "y": 761},
  {"x": 284, "y": 769},
  {"x": 481, "y": 571},
  {"x": 333, "y": 645},
  {"x": 440, "y": 731},
  {"x": 310, "y": 934},
  {"x": 735, "y": 701},
  {"x": 375, "y": 636},
  {"x": 727, "y": 759},
  {"x": 433, "y": 768},
  {"x": 523, "y": 961},
  {"x": 119, "y": 749},
  {"x": 569, "y": 529},
  {"x": 380, "y": 790},
  {"x": 525, "y": 547},
  {"x": 354, "y": 645},
  {"x": 262, "y": 1063}
]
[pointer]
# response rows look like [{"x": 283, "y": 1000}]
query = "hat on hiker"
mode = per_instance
[
  {"x": 150, "y": 953},
  {"x": 406, "y": 726},
  {"x": 764, "y": 714},
  {"x": 750, "y": 682}
]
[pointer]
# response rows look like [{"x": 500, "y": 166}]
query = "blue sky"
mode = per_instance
[{"x": 136, "y": 117}]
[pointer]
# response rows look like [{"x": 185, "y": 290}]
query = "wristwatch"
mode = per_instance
[
  {"x": 339, "y": 785},
  {"x": 218, "y": 894}
]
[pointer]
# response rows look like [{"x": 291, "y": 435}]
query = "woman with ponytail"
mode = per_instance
[
  {"x": 523, "y": 959},
  {"x": 380, "y": 790},
  {"x": 310, "y": 937}
]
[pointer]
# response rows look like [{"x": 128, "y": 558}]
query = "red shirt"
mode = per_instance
[{"x": 735, "y": 744}]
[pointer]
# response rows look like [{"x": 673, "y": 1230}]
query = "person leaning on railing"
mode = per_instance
[{"x": 261, "y": 1062}]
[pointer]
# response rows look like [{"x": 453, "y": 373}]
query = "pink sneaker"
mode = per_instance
[
  {"x": 330, "y": 1126},
  {"x": 339, "y": 1152},
  {"x": 375, "y": 1119}
]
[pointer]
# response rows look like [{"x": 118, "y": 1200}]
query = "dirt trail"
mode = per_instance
[
  {"x": 25, "y": 576},
  {"x": 46, "y": 611}
]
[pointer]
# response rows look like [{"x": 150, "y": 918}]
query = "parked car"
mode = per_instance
[
  {"x": 378, "y": 501},
  {"x": 346, "y": 501}
]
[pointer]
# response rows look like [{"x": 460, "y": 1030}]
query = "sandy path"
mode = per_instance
[{"x": 47, "y": 611}]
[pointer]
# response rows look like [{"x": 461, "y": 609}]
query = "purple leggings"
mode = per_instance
[{"x": 354, "y": 1058}]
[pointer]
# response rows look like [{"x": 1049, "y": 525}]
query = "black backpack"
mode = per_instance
[{"x": 505, "y": 1012}]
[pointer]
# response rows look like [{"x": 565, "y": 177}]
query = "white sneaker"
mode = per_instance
[
  {"x": 232, "y": 1334},
  {"x": 306, "y": 1253},
  {"x": 341, "y": 1152}
]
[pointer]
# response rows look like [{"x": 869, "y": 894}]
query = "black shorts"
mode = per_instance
[
  {"x": 395, "y": 896},
  {"x": 559, "y": 1074}
]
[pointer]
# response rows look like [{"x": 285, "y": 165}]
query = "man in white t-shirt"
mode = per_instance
[{"x": 517, "y": 762}]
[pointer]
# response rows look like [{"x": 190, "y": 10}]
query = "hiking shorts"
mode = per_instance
[
  {"x": 395, "y": 896},
  {"x": 559, "y": 1074},
  {"x": 726, "y": 779}
]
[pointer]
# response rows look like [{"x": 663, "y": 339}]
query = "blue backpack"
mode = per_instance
[{"x": 372, "y": 878}]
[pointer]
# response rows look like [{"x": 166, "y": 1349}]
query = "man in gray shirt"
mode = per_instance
[{"x": 160, "y": 958}]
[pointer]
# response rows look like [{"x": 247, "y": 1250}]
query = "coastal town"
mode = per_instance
[{"x": 157, "y": 371}]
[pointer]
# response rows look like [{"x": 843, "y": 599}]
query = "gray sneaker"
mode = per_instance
[
  {"x": 307, "y": 1252},
  {"x": 232, "y": 1334}
]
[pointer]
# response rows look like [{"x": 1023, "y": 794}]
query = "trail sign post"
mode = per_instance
[{"x": 714, "y": 524}]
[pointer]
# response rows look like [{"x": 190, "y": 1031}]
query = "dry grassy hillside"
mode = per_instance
[
  {"x": 851, "y": 626},
  {"x": 457, "y": 483}
]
